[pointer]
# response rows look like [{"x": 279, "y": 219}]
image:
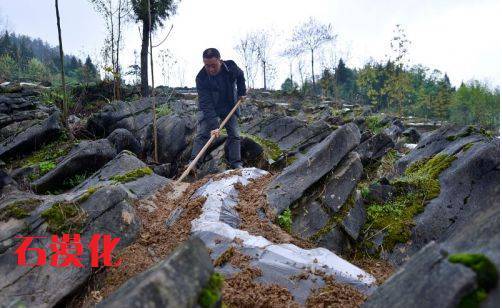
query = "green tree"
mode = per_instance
[
  {"x": 328, "y": 83},
  {"x": 160, "y": 10},
  {"x": 345, "y": 82},
  {"x": 289, "y": 86},
  {"x": 476, "y": 103},
  {"x": 371, "y": 81},
  {"x": 37, "y": 71},
  {"x": 8, "y": 67},
  {"x": 443, "y": 99}
]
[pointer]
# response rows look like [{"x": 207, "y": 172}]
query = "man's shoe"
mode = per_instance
[{"x": 237, "y": 166}]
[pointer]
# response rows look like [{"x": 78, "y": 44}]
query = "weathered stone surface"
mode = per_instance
[
  {"x": 335, "y": 240},
  {"x": 122, "y": 139},
  {"x": 140, "y": 187},
  {"x": 443, "y": 139},
  {"x": 427, "y": 280},
  {"x": 342, "y": 182},
  {"x": 380, "y": 193},
  {"x": 412, "y": 135},
  {"x": 31, "y": 138},
  {"x": 133, "y": 116},
  {"x": 175, "y": 282},
  {"x": 469, "y": 187},
  {"x": 355, "y": 219},
  {"x": 309, "y": 219},
  {"x": 174, "y": 134},
  {"x": 86, "y": 157},
  {"x": 319, "y": 160},
  {"x": 108, "y": 211},
  {"x": 374, "y": 148},
  {"x": 289, "y": 133}
]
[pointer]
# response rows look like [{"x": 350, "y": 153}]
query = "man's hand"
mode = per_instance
[
  {"x": 242, "y": 98},
  {"x": 215, "y": 133}
]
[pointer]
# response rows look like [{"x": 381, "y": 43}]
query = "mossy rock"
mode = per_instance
[
  {"x": 418, "y": 185},
  {"x": 487, "y": 276},
  {"x": 132, "y": 175},
  {"x": 64, "y": 217},
  {"x": 271, "y": 149},
  {"x": 336, "y": 219},
  {"x": 89, "y": 192},
  {"x": 211, "y": 293},
  {"x": 19, "y": 209}
]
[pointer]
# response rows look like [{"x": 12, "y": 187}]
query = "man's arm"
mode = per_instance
[
  {"x": 205, "y": 101},
  {"x": 241, "y": 82}
]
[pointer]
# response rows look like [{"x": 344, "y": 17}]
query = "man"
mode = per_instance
[{"x": 220, "y": 84}]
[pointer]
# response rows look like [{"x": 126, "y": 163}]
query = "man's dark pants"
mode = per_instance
[{"x": 233, "y": 143}]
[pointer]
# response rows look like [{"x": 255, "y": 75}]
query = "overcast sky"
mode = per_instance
[{"x": 458, "y": 37}]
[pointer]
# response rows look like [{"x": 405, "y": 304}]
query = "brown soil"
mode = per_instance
[
  {"x": 240, "y": 290},
  {"x": 335, "y": 295},
  {"x": 380, "y": 269},
  {"x": 252, "y": 199},
  {"x": 154, "y": 242}
]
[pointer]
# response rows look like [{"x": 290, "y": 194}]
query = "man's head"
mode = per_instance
[{"x": 212, "y": 61}]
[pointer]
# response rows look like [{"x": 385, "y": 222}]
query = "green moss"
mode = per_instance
[
  {"x": 163, "y": 110},
  {"x": 468, "y": 131},
  {"x": 18, "y": 209},
  {"x": 270, "y": 148},
  {"x": 89, "y": 192},
  {"x": 365, "y": 190},
  {"x": 336, "y": 219},
  {"x": 132, "y": 175},
  {"x": 290, "y": 160},
  {"x": 285, "y": 220},
  {"x": 211, "y": 293},
  {"x": 419, "y": 184},
  {"x": 486, "y": 272},
  {"x": 467, "y": 146},
  {"x": 64, "y": 217},
  {"x": 374, "y": 124},
  {"x": 487, "y": 276},
  {"x": 48, "y": 154}
]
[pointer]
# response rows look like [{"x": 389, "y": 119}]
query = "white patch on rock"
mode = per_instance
[{"x": 221, "y": 197}]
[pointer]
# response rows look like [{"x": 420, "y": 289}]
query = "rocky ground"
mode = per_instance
[{"x": 337, "y": 206}]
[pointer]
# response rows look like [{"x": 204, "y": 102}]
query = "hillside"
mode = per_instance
[{"x": 337, "y": 205}]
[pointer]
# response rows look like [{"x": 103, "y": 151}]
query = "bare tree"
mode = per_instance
[
  {"x": 63, "y": 83},
  {"x": 246, "y": 49},
  {"x": 263, "y": 42},
  {"x": 290, "y": 54},
  {"x": 167, "y": 63},
  {"x": 115, "y": 14},
  {"x": 301, "y": 70},
  {"x": 309, "y": 36}
]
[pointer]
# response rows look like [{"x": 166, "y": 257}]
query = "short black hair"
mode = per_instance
[{"x": 211, "y": 53}]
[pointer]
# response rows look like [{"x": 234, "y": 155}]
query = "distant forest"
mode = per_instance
[{"x": 26, "y": 59}]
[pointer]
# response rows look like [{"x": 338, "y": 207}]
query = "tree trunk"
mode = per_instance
[
  {"x": 264, "y": 75},
  {"x": 154, "y": 111},
  {"x": 312, "y": 63},
  {"x": 144, "y": 58},
  {"x": 117, "y": 63},
  {"x": 291, "y": 71},
  {"x": 63, "y": 83}
]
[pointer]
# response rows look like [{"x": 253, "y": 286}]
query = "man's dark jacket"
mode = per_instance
[{"x": 235, "y": 87}]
